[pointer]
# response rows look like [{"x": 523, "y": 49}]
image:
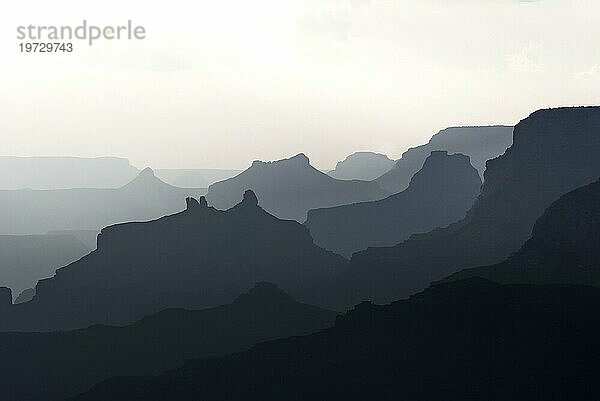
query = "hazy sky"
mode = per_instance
[{"x": 221, "y": 83}]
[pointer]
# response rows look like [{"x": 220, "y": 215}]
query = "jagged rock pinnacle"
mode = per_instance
[
  {"x": 191, "y": 203},
  {"x": 202, "y": 201},
  {"x": 250, "y": 198}
]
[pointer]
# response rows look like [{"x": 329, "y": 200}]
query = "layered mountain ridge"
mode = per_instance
[
  {"x": 289, "y": 188},
  {"x": 53, "y": 366},
  {"x": 41, "y": 211},
  {"x": 466, "y": 340},
  {"x": 197, "y": 258},
  {"x": 563, "y": 247},
  {"x": 554, "y": 151},
  {"x": 479, "y": 143},
  {"x": 439, "y": 194}
]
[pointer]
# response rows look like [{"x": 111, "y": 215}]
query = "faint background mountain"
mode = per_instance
[
  {"x": 479, "y": 143},
  {"x": 53, "y": 366},
  {"x": 87, "y": 237},
  {"x": 41, "y": 211},
  {"x": 194, "y": 178},
  {"x": 289, "y": 188},
  {"x": 362, "y": 166},
  {"x": 200, "y": 257},
  {"x": 439, "y": 194},
  {"x": 25, "y": 259},
  {"x": 64, "y": 172}
]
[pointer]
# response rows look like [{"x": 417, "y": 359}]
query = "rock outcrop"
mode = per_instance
[
  {"x": 362, "y": 166},
  {"x": 479, "y": 143},
  {"x": 439, "y": 194}
]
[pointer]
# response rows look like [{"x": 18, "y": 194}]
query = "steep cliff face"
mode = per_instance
[
  {"x": 479, "y": 143},
  {"x": 200, "y": 257},
  {"x": 554, "y": 152},
  {"x": 564, "y": 246},
  {"x": 289, "y": 188},
  {"x": 439, "y": 194}
]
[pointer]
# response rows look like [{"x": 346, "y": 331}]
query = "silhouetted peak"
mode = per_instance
[
  {"x": 146, "y": 178},
  {"x": 300, "y": 158},
  {"x": 264, "y": 292},
  {"x": 147, "y": 172},
  {"x": 5, "y": 297},
  {"x": 191, "y": 203},
  {"x": 250, "y": 198}
]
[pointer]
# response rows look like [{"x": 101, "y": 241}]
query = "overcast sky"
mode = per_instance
[{"x": 222, "y": 83}]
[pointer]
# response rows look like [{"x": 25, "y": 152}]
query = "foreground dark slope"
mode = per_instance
[
  {"x": 564, "y": 246},
  {"x": 200, "y": 257},
  {"x": 53, "y": 366},
  {"x": 479, "y": 143},
  {"x": 468, "y": 340},
  {"x": 554, "y": 152},
  {"x": 291, "y": 187},
  {"x": 41, "y": 211},
  {"x": 439, "y": 194}
]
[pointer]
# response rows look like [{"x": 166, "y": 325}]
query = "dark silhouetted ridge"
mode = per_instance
[
  {"x": 467, "y": 340},
  {"x": 53, "y": 366},
  {"x": 200, "y": 257}
]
